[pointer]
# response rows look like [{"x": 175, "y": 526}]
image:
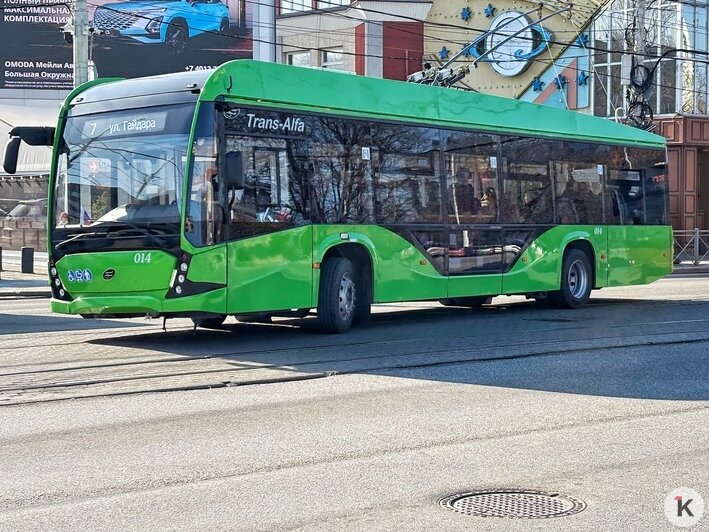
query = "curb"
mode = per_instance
[
  {"x": 15, "y": 294},
  {"x": 690, "y": 271}
]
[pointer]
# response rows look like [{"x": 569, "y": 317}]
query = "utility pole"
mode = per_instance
[
  {"x": 81, "y": 42},
  {"x": 264, "y": 31},
  {"x": 639, "y": 44}
]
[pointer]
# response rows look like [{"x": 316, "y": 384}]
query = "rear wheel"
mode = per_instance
[
  {"x": 209, "y": 323},
  {"x": 338, "y": 293},
  {"x": 576, "y": 281}
]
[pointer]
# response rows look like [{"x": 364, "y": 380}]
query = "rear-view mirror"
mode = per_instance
[
  {"x": 234, "y": 170},
  {"x": 34, "y": 135},
  {"x": 12, "y": 151}
]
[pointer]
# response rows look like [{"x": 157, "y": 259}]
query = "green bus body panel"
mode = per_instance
[
  {"x": 271, "y": 272},
  {"x": 482, "y": 285},
  {"x": 638, "y": 254},
  {"x": 539, "y": 267},
  {"x": 397, "y": 269},
  {"x": 275, "y": 271},
  {"x": 130, "y": 276},
  {"x": 336, "y": 92},
  {"x": 208, "y": 265}
]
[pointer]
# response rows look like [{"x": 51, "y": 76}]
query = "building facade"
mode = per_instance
[{"x": 675, "y": 52}]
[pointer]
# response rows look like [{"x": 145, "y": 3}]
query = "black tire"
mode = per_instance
[
  {"x": 576, "y": 281},
  {"x": 470, "y": 302},
  {"x": 224, "y": 27},
  {"x": 176, "y": 38},
  {"x": 337, "y": 297},
  {"x": 363, "y": 301},
  {"x": 209, "y": 323}
]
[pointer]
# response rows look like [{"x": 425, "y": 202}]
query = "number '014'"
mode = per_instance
[{"x": 142, "y": 258}]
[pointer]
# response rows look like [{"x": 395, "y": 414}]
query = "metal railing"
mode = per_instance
[{"x": 691, "y": 245}]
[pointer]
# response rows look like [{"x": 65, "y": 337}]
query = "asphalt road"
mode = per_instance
[{"x": 117, "y": 425}]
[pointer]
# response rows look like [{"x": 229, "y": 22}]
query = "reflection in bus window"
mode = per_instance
[
  {"x": 406, "y": 178},
  {"x": 471, "y": 168},
  {"x": 526, "y": 182}
]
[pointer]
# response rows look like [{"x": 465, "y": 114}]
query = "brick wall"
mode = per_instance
[{"x": 15, "y": 234}]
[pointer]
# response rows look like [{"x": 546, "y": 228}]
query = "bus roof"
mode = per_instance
[
  {"x": 320, "y": 90},
  {"x": 331, "y": 91}
]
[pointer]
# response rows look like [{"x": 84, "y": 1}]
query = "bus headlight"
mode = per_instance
[
  {"x": 183, "y": 267},
  {"x": 178, "y": 289}
]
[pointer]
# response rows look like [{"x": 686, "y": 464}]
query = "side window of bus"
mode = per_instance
[
  {"x": 262, "y": 205},
  {"x": 577, "y": 179},
  {"x": 527, "y": 186},
  {"x": 471, "y": 171},
  {"x": 656, "y": 194},
  {"x": 341, "y": 170},
  {"x": 406, "y": 174},
  {"x": 625, "y": 194},
  {"x": 636, "y": 187}
]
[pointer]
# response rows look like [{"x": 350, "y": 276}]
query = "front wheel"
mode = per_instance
[
  {"x": 176, "y": 38},
  {"x": 338, "y": 292},
  {"x": 576, "y": 281}
]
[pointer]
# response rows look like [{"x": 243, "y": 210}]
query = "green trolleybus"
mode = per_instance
[{"x": 265, "y": 189}]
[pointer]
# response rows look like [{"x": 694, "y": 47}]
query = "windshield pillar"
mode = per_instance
[{"x": 204, "y": 222}]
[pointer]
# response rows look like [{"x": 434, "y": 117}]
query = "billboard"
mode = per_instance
[{"x": 128, "y": 39}]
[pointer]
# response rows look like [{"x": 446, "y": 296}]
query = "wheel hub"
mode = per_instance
[
  {"x": 577, "y": 279},
  {"x": 346, "y": 297}
]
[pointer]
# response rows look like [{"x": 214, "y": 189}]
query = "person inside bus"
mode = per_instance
[
  {"x": 488, "y": 202},
  {"x": 537, "y": 206},
  {"x": 567, "y": 211},
  {"x": 510, "y": 208}
]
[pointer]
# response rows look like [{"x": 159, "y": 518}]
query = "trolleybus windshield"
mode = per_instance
[{"x": 123, "y": 167}]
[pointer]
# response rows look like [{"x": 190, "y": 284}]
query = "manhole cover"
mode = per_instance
[{"x": 515, "y": 504}]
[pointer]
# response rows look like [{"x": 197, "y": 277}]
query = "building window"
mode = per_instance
[
  {"x": 332, "y": 59},
  {"x": 291, "y": 6},
  {"x": 324, "y": 4},
  {"x": 301, "y": 59},
  {"x": 680, "y": 83}
]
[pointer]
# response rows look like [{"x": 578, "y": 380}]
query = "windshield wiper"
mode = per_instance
[
  {"x": 77, "y": 237},
  {"x": 159, "y": 241}
]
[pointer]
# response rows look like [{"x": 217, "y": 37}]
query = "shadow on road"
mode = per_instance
[
  {"x": 610, "y": 348},
  {"x": 29, "y": 323}
]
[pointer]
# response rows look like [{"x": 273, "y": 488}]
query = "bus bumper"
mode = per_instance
[{"x": 147, "y": 303}]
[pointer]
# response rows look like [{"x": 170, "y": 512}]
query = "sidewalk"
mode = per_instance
[
  {"x": 15, "y": 284},
  {"x": 687, "y": 267}
]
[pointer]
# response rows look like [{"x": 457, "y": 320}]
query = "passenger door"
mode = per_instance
[
  {"x": 269, "y": 252},
  {"x": 474, "y": 248}
]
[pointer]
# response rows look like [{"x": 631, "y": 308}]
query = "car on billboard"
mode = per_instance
[{"x": 171, "y": 23}]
